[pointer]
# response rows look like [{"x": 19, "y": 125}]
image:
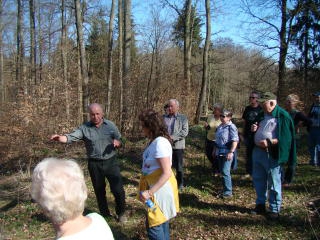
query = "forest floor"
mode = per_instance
[{"x": 203, "y": 215}]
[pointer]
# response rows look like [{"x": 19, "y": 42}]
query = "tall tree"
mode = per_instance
[
  {"x": 110, "y": 57},
  {"x": 127, "y": 62},
  {"x": 2, "y": 83},
  {"x": 187, "y": 51},
  {"x": 33, "y": 46},
  {"x": 306, "y": 36},
  {"x": 83, "y": 59},
  {"x": 277, "y": 26},
  {"x": 204, "y": 84},
  {"x": 64, "y": 57},
  {"x": 120, "y": 57},
  {"x": 20, "y": 49}
]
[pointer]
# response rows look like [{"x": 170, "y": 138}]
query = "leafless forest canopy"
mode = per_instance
[{"x": 57, "y": 56}]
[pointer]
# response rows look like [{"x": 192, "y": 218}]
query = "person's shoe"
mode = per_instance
[
  {"x": 273, "y": 216},
  {"x": 122, "y": 218},
  {"x": 260, "y": 209},
  {"x": 224, "y": 196}
]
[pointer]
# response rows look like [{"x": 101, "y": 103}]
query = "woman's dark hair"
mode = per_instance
[{"x": 155, "y": 123}]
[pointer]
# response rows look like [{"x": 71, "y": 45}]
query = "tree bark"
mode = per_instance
[
  {"x": 20, "y": 51},
  {"x": 33, "y": 55},
  {"x": 204, "y": 84},
  {"x": 283, "y": 52},
  {"x": 64, "y": 58},
  {"x": 110, "y": 59},
  {"x": 187, "y": 52},
  {"x": 126, "y": 63},
  {"x": 2, "y": 82},
  {"x": 120, "y": 46},
  {"x": 83, "y": 60},
  {"x": 40, "y": 43}
]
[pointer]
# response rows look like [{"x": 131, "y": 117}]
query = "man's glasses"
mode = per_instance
[
  {"x": 252, "y": 97},
  {"x": 222, "y": 116}
]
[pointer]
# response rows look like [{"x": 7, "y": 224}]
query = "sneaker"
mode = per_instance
[
  {"x": 122, "y": 218},
  {"x": 273, "y": 216},
  {"x": 260, "y": 209}
]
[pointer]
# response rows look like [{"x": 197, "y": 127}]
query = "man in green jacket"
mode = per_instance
[{"x": 274, "y": 143}]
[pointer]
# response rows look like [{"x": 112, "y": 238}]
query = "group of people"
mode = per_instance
[
  {"x": 59, "y": 188},
  {"x": 269, "y": 134}
]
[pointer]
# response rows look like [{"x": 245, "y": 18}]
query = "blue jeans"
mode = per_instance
[
  {"x": 160, "y": 232},
  {"x": 225, "y": 167},
  {"x": 313, "y": 142},
  {"x": 266, "y": 176}
]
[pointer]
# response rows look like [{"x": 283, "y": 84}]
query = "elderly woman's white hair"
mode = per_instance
[{"x": 58, "y": 186}]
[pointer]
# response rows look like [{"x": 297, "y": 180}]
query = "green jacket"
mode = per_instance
[{"x": 286, "y": 134}]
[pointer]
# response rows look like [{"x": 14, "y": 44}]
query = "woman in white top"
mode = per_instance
[
  {"x": 58, "y": 186},
  {"x": 157, "y": 181}
]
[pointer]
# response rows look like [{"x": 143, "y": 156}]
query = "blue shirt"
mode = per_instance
[
  {"x": 98, "y": 140},
  {"x": 226, "y": 133}
]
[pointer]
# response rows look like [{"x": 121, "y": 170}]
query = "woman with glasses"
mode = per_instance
[{"x": 226, "y": 144}]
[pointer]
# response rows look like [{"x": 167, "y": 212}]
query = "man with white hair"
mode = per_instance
[
  {"x": 274, "y": 146},
  {"x": 58, "y": 186},
  {"x": 178, "y": 128},
  {"x": 101, "y": 138}
]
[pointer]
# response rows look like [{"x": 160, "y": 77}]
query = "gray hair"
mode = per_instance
[
  {"x": 175, "y": 101},
  {"x": 58, "y": 186}
]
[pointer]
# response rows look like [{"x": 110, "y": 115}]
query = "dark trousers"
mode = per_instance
[
  {"x": 209, "y": 153},
  {"x": 177, "y": 162},
  {"x": 249, "y": 142},
  {"x": 99, "y": 170}
]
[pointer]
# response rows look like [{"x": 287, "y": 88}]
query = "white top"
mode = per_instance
[
  {"x": 267, "y": 129},
  {"x": 158, "y": 148},
  {"x": 97, "y": 230}
]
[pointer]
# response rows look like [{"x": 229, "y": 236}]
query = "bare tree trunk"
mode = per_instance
[
  {"x": 32, "y": 43},
  {"x": 187, "y": 52},
  {"x": 80, "y": 92},
  {"x": 283, "y": 51},
  {"x": 2, "y": 82},
  {"x": 204, "y": 83},
  {"x": 150, "y": 79},
  {"x": 20, "y": 50},
  {"x": 110, "y": 59},
  {"x": 127, "y": 63},
  {"x": 40, "y": 43},
  {"x": 120, "y": 46},
  {"x": 83, "y": 60},
  {"x": 64, "y": 58}
]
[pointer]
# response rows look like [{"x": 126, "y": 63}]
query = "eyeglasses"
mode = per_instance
[
  {"x": 252, "y": 97},
  {"x": 222, "y": 116}
]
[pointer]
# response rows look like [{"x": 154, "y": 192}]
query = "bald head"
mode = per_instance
[{"x": 96, "y": 114}]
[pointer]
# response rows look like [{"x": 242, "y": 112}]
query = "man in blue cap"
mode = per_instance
[{"x": 314, "y": 131}]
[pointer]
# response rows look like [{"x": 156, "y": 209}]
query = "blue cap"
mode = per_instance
[{"x": 316, "y": 94}]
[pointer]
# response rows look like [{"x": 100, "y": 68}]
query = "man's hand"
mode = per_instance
[
  {"x": 254, "y": 127},
  {"x": 263, "y": 143},
  {"x": 116, "y": 143},
  {"x": 58, "y": 138}
]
